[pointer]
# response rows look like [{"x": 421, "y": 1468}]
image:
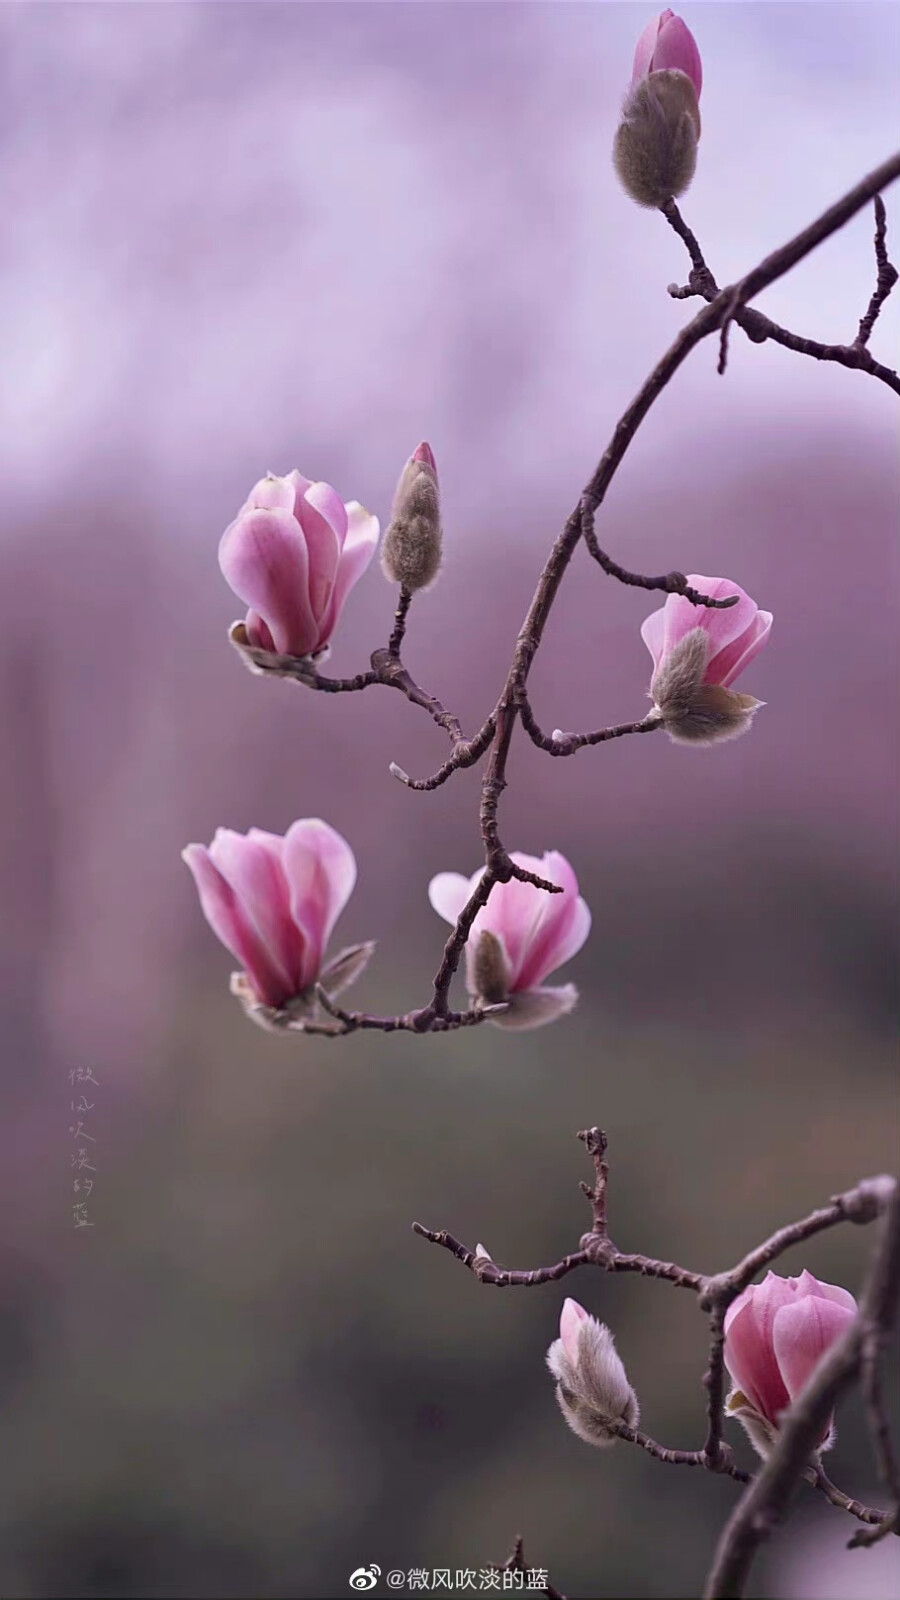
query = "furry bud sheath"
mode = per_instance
[
  {"x": 655, "y": 148},
  {"x": 411, "y": 552},
  {"x": 591, "y": 1383}
]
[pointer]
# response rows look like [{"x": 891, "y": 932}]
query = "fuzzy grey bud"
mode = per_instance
[
  {"x": 411, "y": 552},
  {"x": 655, "y": 148},
  {"x": 490, "y": 974},
  {"x": 591, "y": 1383},
  {"x": 693, "y": 711}
]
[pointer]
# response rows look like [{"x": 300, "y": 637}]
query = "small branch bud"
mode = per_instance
[{"x": 411, "y": 552}]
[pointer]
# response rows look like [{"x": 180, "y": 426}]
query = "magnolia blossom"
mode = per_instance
[
  {"x": 697, "y": 653},
  {"x": 591, "y": 1383},
  {"x": 666, "y": 44},
  {"x": 273, "y": 902},
  {"x": 520, "y": 937},
  {"x": 776, "y": 1333},
  {"x": 293, "y": 553}
]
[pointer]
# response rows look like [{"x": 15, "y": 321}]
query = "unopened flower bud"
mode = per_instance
[
  {"x": 411, "y": 552},
  {"x": 591, "y": 1383},
  {"x": 655, "y": 148}
]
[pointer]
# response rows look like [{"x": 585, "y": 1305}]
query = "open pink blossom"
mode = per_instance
[
  {"x": 273, "y": 902},
  {"x": 520, "y": 937},
  {"x": 665, "y": 44},
  {"x": 697, "y": 653},
  {"x": 292, "y": 554},
  {"x": 776, "y": 1333}
]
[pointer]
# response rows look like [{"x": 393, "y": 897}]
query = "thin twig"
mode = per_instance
[
  {"x": 886, "y": 276},
  {"x": 668, "y": 583},
  {"x": 566, "y": 744}
]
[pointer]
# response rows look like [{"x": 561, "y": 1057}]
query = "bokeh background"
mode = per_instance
[{"x": 238, "y": 237}]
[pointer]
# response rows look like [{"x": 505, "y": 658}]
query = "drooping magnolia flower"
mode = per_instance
[
  {"x": 520, "y": 937},
  {"x": 411, "y": 552},
  {"x": 697, "y": 654},
  {"x": 776, "y": 1333},
  {"x": 273, "y": 902},
  {"x": 665, "y": 44},
  {"x": 655, "y": 150},
  {"x": 292, "y": 554},
  {"x": 591, "y": 1383}
]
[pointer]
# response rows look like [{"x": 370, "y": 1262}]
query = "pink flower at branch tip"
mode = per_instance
[
  {"x": 666, "y": 44},
  {"x": 292, "y": 554},
  {"x": 697, "y": 654},
  {"x": 776, "y": 1333},
  {"x": 520, "y": 937},
  {"x": 273, "y": 902}
]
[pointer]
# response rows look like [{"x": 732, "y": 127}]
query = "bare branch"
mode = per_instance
[
  {"x": 566, "y": 744},
  {"x": 886, "y": 276},
  {"x": 669, "y": 583}
]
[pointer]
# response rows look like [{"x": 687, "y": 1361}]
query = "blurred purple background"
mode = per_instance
[{"x": 241, "y": 237}]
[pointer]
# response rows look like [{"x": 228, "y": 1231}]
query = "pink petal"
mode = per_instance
[
  {"x": 300, "y": 486},
  {"x": 230, "y": 923},
  {"x": 570, "y": 1321},
  {"x": 807, "y": 1284},
  {"x": 271, "y": 494},
  {"x": 751, "y": 1361},
  {"x": 258, "y": 631},
  {"x": 560, "y": 927},
  {"x": 721, "y": 626},
  {"x": 448, "y": 893},
  {"x": 676, "y": 47},
  {"x": 321, "y": 514},
  {"x": 329, "y": 505},
  {"x": 653, "y": 633},
  {"x": 731, "y": 661},
  {"x": 557, "y": 944},
  {"x": 511, "y": 914},
  {"x": 801, "y": 1334},
  {"x": 643, "y": 55},
  {"x": 263, "y": 557},
  {"x": 423, "y": 452},
  {"x": 359, "y": 548},
  {"x": 252, "y": 864},
  {"x": 321, "y": 871}
]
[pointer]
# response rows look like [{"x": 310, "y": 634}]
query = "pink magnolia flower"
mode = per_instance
[
  {"x": 273, "y": 902},
  {"x": 293, "y": 553},
  {"x": 697, "y": 654},
  {"x": 520, "y": 937},
  {"x": 776, "y": 1333},
  {"x": 667, "y": 43}
]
